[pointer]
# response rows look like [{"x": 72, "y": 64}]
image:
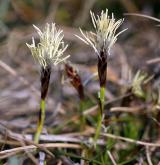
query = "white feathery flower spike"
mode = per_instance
[
  {"x": 50, "y": 48},
  {"x": 105, "y": 34}
]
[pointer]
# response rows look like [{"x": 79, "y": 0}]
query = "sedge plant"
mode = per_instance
[
  {"x": 48, "y": 51},
  {"x": 101, "y": 41},
  {"x": 76, "y": 82}
]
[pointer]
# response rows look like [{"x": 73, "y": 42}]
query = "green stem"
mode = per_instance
[
  {"x": 98, "y": 129},
  {"x": 100, "y": 113},
  {"x": 102, "y": 97},
  {"x": 40, "y": 122}
]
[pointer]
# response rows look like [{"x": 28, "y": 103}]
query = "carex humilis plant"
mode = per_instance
[
  {"x": 101, "y": 41},
  {"x": 48, "y": 52},
  {"x": 76, "y": 82}
]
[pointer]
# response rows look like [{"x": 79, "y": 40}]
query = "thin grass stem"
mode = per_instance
[
  {"x": 40, "y": 121},
  {"x": 102, "y": 98},
  {"x": 100, "y": 113}
]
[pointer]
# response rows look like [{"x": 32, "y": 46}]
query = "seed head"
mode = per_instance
[
  {"x": 75, "y": 79},
  {"x": 50, "y": 48},
  {"x": 105, "y": 34}
]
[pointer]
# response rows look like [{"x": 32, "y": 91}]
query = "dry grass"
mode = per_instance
[{"x": 131, "y": 128}]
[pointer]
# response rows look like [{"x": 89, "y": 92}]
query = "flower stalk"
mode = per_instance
[
  {"x": 101, "y": 41},
  {"x": 45, "y": 78},
  {"x": 49, "y": 51},
  {"x": 102, "y": 74},
  {"x": 76, "y": 82}
]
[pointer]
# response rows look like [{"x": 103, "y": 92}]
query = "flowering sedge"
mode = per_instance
[
  {"x": 51, "y": 47},
  {"x": 101, "y": 41},
  {"x": 105, "y": 34},
  {"x": 49, "y": 51}
]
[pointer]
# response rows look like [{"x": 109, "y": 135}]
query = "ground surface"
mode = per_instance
[{"x": 131, "y": 132}]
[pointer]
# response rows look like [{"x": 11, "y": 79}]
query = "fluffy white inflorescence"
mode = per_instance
[
  {"x": 50, "y": 48},
  {"x": 105, "y": 36}
]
